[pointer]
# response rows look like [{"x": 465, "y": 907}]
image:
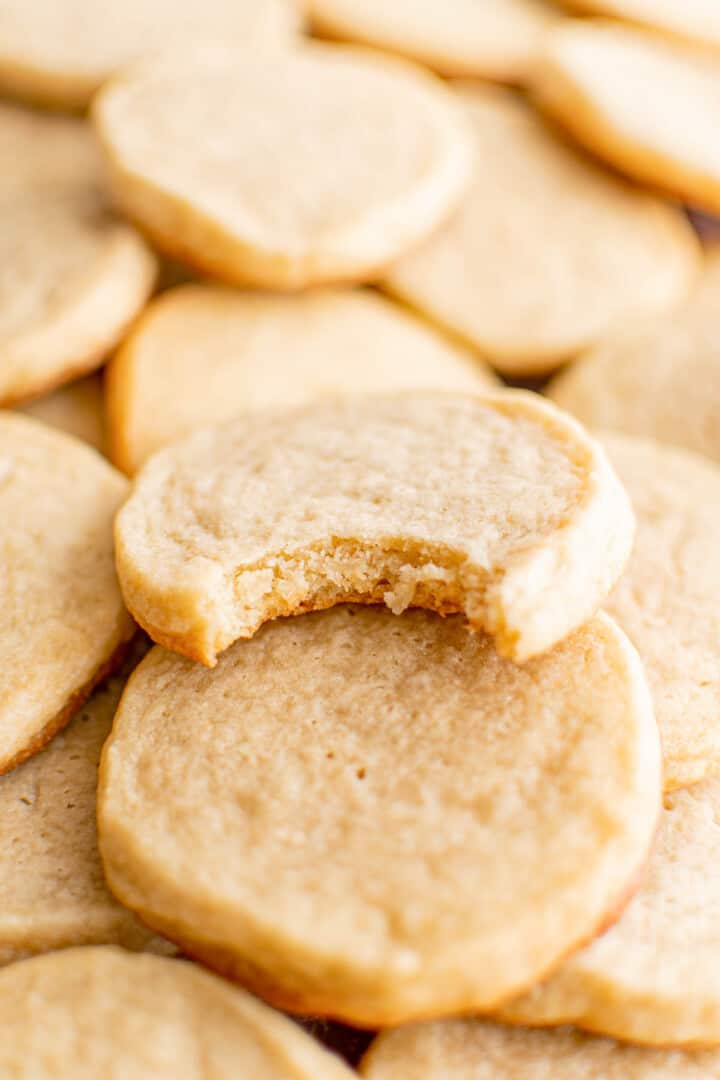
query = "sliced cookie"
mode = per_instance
[{"x": 77, "y": 408}]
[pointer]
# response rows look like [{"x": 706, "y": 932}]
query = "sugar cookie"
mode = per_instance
[
  {"x": 695, "y": 21},
  {"x": 77, "y": 409}
]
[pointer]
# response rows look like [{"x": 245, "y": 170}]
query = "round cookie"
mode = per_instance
[
  {"x": 647, "y": 105},
  {"x": 312, "y": 165},
  {"x": 694, "y": 21},
  {"x": 548, "y": 251},
  {"x": 63, "y": 622},
  {"x": 60, "y": 52},
  {"x": 202, "y": 354},
  {"x": 473, "y": 1050},
  {"x": 659, "y": 379},
  {"x": 500, "y": 507},
  {"x": 655, "y": 976},
  {"x": 376, "y": 817},
  {"x": 497, "y": 40},
  {"x": 100, "y": 1012},
  {"x": 77, "y": 409},
  {"x": 73, "y": 276}
]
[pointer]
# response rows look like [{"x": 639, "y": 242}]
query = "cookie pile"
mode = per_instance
[{"x": 350, "y": 699}]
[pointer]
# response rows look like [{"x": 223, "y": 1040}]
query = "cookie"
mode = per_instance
[
  {"x": 654, "y": 977},
  {"x": 659, "y": 378},
  {"x": 375, "y": 817},
  {"x": 695, "y": 21},
  {"x": 77, "y": 409},
  {"x": 60, "y": 52},
  {"x": 639, "y": 101},
  {"x": 492, "y": 41},
  {"x": 73, "y": 276},
  {"x": 63, "y": 622},
  {"x": 548, "y": 251},
  {"x": 311, "y": 165},
  {"x": 500, "y": 507},
  {"x": 100, "y": 1012},
  {"x": 473, "y": 1050},
  {"x": 202, "y": 354}
]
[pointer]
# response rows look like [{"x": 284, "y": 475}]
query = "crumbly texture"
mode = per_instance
[
  {"x": 472, "y": 1050},
  {"x": 202, "y": 354},
  {"x": 694, "y": 21},
  {"x": 646, "y": 104},
  {"x": 380, "y": 818},
  {"x": 494, "y": 39},
  {"x": 64, "y": 621},
  {"x": 101, "y": 1012},
  {"x": 60, "y": 52},
  {"x": 548, "y": 251},
  {"x": 77, "y": 409},
  {"x": 659, "y": 378},
  {"x": 654, "y": 977},
  {"x": 316, "y": 164},
  {"x": 495, "y": 506},
  {"x": 72, "y": 276}
]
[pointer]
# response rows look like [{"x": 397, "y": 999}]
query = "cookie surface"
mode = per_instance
[
  {"x": 77, "y": 409},
  {"x": 59, "y": 52},
  {"x": 498, "y": 506},
  {"x": 382, "y": 773},
  {"x": 659, "y": 378},
  {"x": 316, "y": 164},
  {"x": 647, "y": 105},
  {"x": 654, "y": 977},
  {"x": 73, "y": 276},
  {"x": 63, "y": 616},
  {"x": 548, "y": 251},
  {"x": 472, "y": 1050},
  {"x": 202, "y": 354},
  {"x": 696, "y": 21},
  {"x": 91, "y": 1012},
  {"x": 496, "y": 40}
]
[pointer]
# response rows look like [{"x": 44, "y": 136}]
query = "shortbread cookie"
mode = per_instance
[
  {"x": 659, "y": 379},
  {"x": 101, "y": 1012},
  {"x": 647, "y": 105},
  {"x": 655, "y": 976},
  {"x": 498, "y": 506},
  {"x": 695, "y": 21},
  {"x": 496, "y": 40},
  {"x": 72, "y": 276},
  {"x": 548, "y": 251},
  {"x": 59, "y": 52},
  {"x": 63, "y": 619},
  {"x": 377, "y": 818},
  {"x": 77, "y": 408},
  {"x": 203, "y": 354},
  {"x": 473, "y": 1050},
  {"x": 309, "y": 165}
]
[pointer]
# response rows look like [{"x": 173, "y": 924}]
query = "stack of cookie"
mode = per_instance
[{"x": 376, "y": 696}]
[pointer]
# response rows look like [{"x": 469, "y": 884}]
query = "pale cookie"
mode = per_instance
[
  {"x": 493, "y": 39},
  {"x": 77, "y": 409},
  {"x": 92, "y": 1013},
  {"x": 202, "y": 354},
  {"x": 647, "y": 105},
  {"x": 473, "y": 1050},
  {"x": 63, "y": 619},
  {"x": 377, "y": 818},
  {"x": 59, "y": 52},
  {"x": 498, "y": 506},
  {"x": 548, "y": 251},
  {"x": 318, "y": 164},
  {"x": 660, "y": 378},
  {"x": 655, "y": 976},
  {"x": 72, "y": 276},
  {"x": 695, "y": 21}
]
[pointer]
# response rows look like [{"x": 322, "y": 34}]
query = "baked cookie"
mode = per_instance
[
  {"x": 695, "y": 21},
  {"x": 310, "y": 165},
  {"x": 473, "y": 1050},
  {"x": 647, "y": 105},
  {"x": 548, "y": 251},
  {"x": 202, "y": 354},
  {"x": 101, "y": 1012},
  {"x": 654, "y": 977},
  {"x": 59, "y": 52},
  {"x": 72, "y": 276},
  {"x": 377, "y": 818},
  {"x": 500, "y": 507},
  {"x": 77, "y": 409},
  {"x": 497, "y": 40},
  {"x": 63, "y": 622},
  {"x": 659, "y": 378}
]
